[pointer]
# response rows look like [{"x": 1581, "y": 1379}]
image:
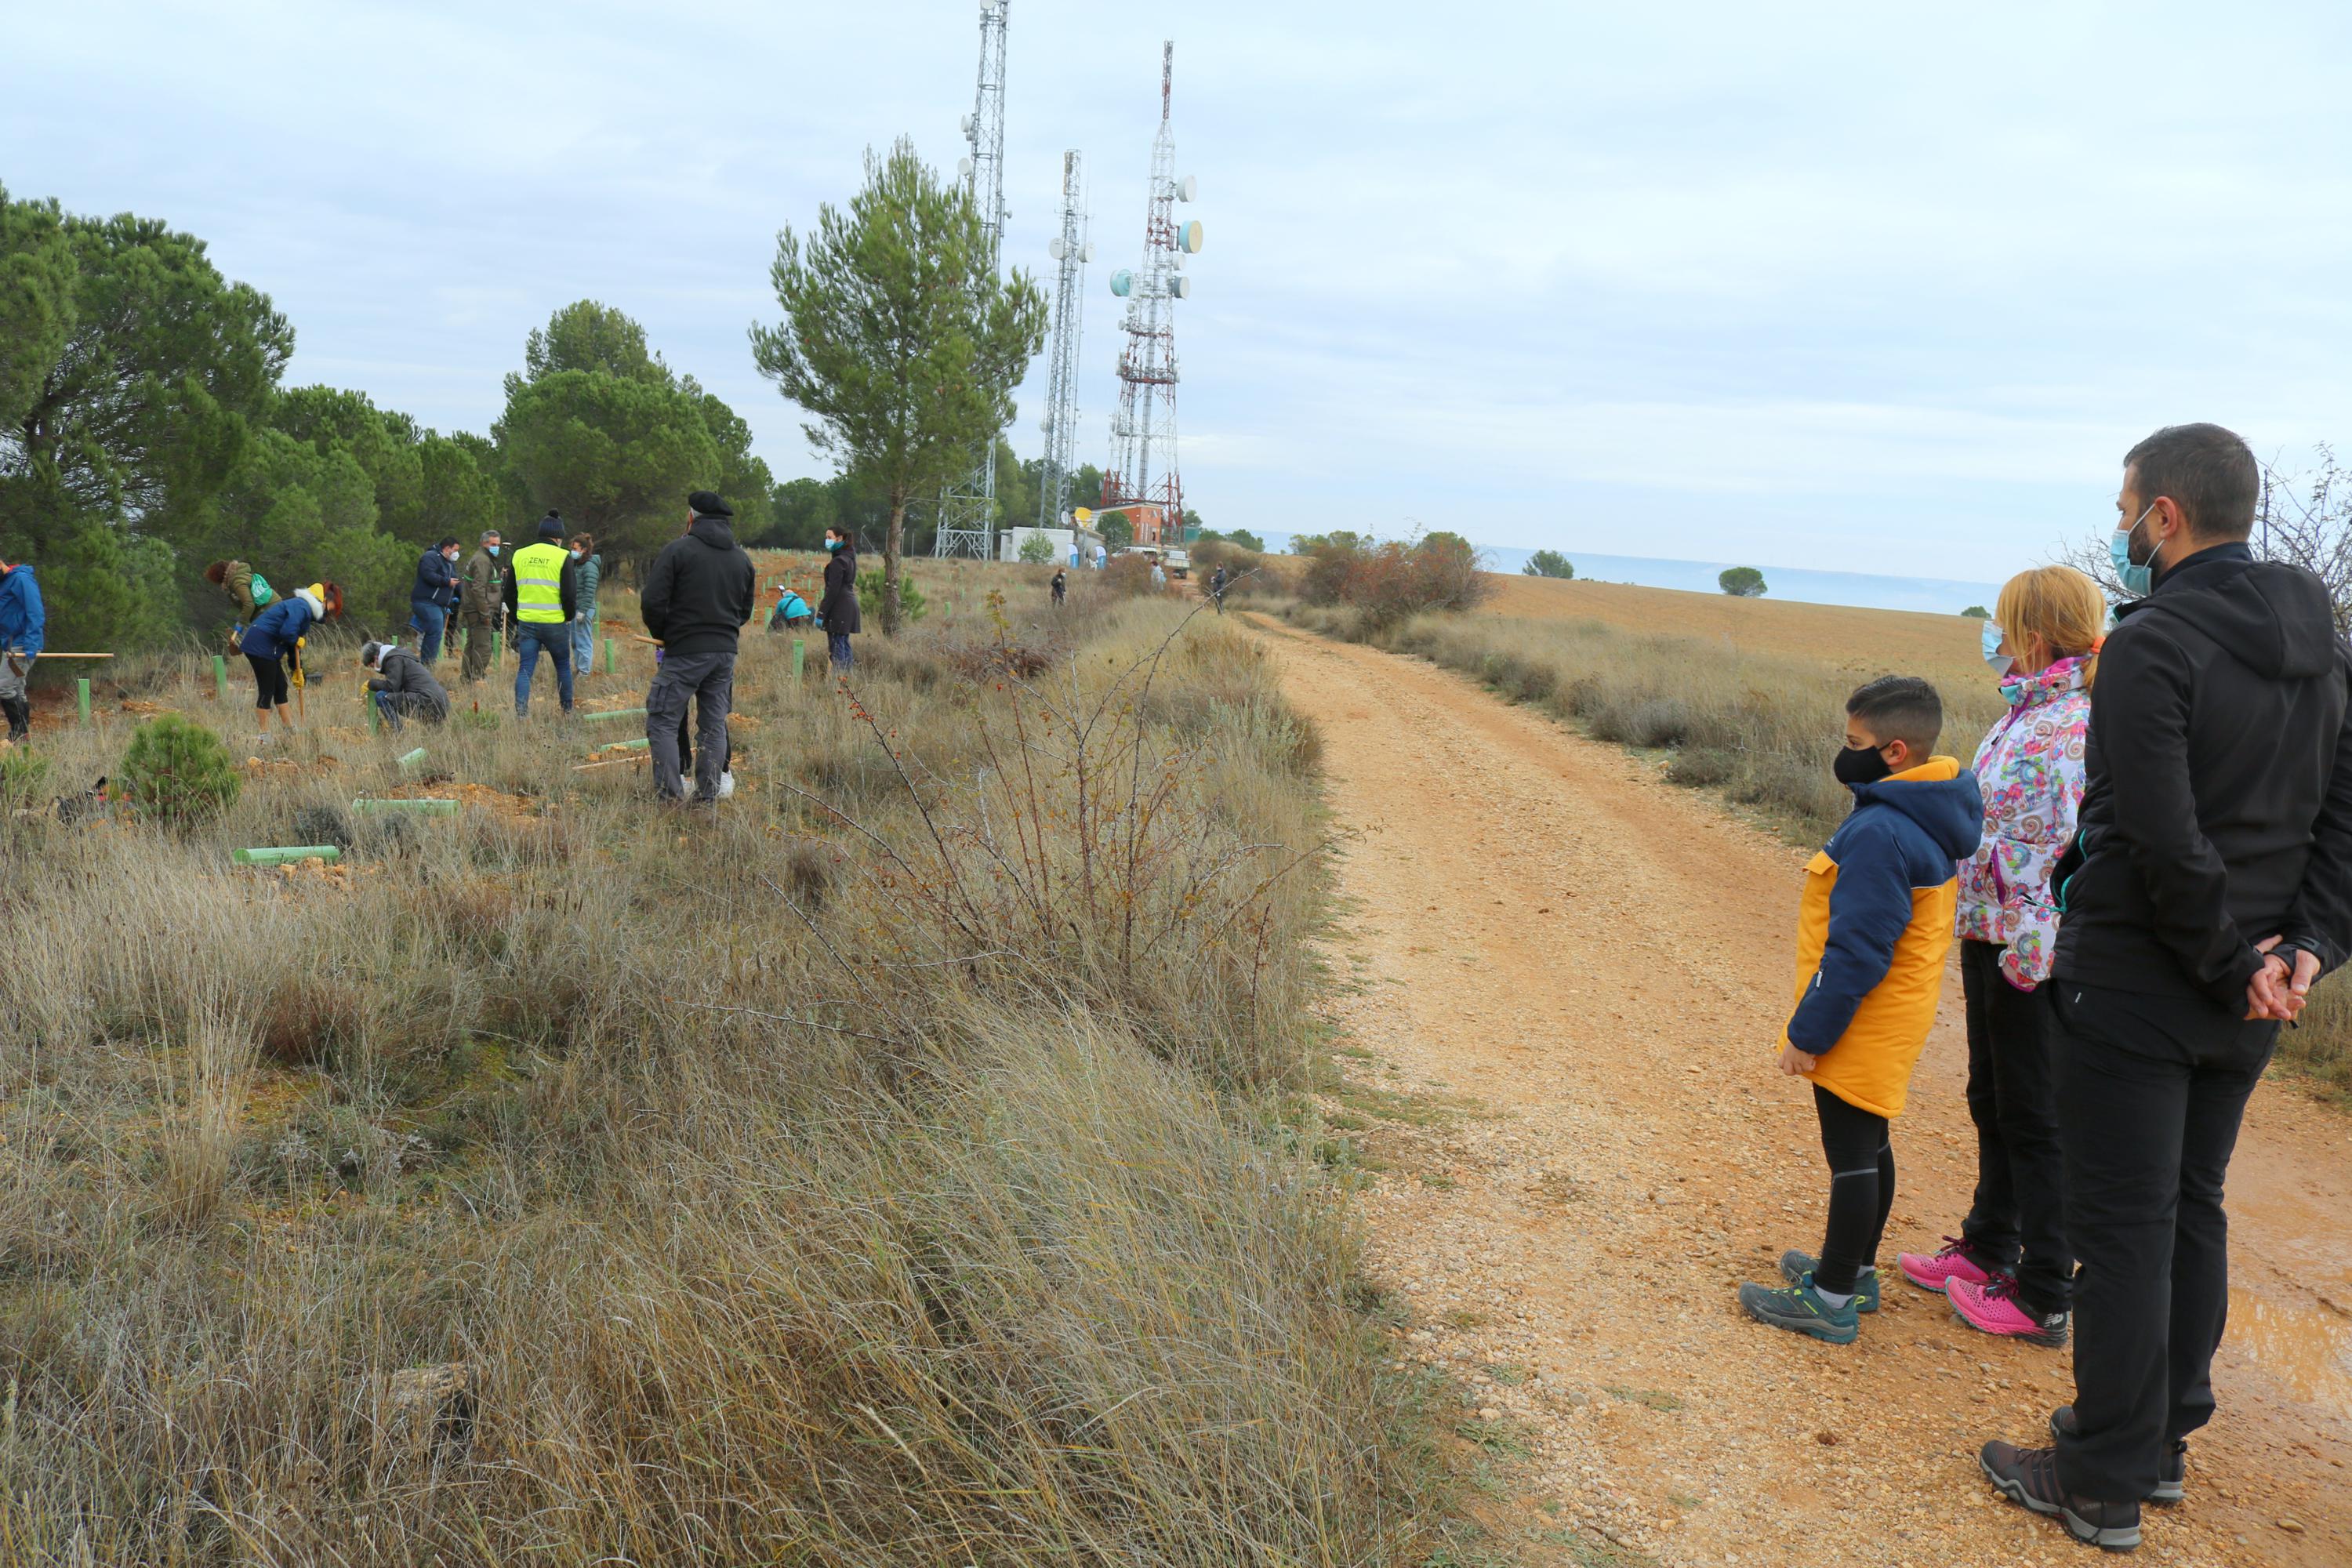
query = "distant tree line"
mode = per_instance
[{"x": 144, "y": 431}]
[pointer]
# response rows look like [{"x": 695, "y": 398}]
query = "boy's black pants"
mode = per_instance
[
  {"x": 1862, "y": 1189},
  {"x": 2150, "y": 1093},
  {"x": 2019, "y": 1220}
]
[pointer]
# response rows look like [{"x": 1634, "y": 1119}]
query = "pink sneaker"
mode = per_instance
[
  {"x": 1995, "y": 1308},
  {"x": 1957, "y": 1262}
]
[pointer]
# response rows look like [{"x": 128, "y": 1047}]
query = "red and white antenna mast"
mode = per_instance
[{"x": 1143, "y": 476}]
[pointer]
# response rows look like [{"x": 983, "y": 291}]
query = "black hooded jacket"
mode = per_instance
[
  {"x": 2218, "y": 803},
  {"x": 839, "y": 609},
  {"x": 701, "y": 591}
]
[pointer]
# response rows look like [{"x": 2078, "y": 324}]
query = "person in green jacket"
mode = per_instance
[
  {"x": 589, "y": 569},
  {"x": 247, "y": 589}
]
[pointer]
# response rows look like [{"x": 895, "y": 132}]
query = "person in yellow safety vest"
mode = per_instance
[{"x": 542, "y": 595}]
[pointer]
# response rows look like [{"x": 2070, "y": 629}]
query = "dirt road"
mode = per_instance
[{"x": 1594, "y": 966}]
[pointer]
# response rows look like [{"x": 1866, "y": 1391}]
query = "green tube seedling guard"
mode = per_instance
[
  {"x": 413, "y": 758},
  {"x": 608, "y": 655},
  {"x": 81, "y": 698},
  {"x": 220, "y": 676},
  {"x": 422, "y": 808},
  {"x": 627, "y": 746},
  {"x": 616, "y": 713},
  {"x": 288, "y": 853},
  {"x": 800, "y": 649}
]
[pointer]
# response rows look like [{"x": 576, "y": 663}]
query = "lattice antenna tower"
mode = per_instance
[
  {"x": 1143, "y": 432},
  {"x": 968, "y": 507},
  {"x": 1071, "y": 251}
]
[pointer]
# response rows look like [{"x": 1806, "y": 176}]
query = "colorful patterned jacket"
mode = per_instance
[{"x": 2030, "y": 769}]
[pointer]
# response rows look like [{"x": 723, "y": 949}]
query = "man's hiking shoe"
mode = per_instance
[
  {"x": 1796, "y": 1267},
  {"x": 1799, "y": 1309},
  {"x": 2029, "y": 1476},
  {"x": 2171, "y": 1470},
  {"x": 1995, "y": 1308},
  {"x": 1957, "y": 1262}
]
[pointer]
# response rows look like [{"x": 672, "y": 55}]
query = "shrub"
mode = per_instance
[
  {"x": 1547, "y": 563},
  {"x": 1036, "y": 550},
  {"x": 911, "y": 604},
  {"x": 1393, "y": 579},
  {"x": 24, "y": 776},
  {"x": 1741, "y": 582},
  {"x": 179, "y": 772}
]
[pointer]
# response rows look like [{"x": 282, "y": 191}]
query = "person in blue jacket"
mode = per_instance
[
  {"x": 275, "y": 636},
  {"x": 22, "y": 625},
  {"x": 434, "y": 596}
]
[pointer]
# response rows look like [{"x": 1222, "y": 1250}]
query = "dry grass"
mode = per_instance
[{"x": 878, "y": 1172}]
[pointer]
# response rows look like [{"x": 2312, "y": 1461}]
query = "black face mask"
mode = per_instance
[{"x": 1860, "y": 766}]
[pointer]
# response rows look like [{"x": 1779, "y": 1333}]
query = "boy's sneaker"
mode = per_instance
[
  {"x": 1799, "y": 1309},
  {"x": 1957, "y": 1262},
  {"x": 2171, "y": 1470},
  {"x": 2029, "y": 1476},
  {"x": 1796, "y": 1267},
  {"x": 1995, "y": 1308}
]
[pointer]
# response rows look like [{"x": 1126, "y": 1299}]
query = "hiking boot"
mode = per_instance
[
  {"x": 2171, "y": 1470},
  {"x": 1995, "y": 1308},
  {"x": 2029, "y": 1476},
  {"x": 1799, "y": 1309},
  {"x": 1958, "y": 1260},
  {"x": 1797, "y": 1267}
]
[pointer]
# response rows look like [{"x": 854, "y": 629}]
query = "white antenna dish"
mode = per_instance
[
  {"x": 1054, "y": 247},
  {"x": 1181, "y": 287},
  {"x": 1188, "y": 237},
  {"x": 1188, "y": 189},
  {"x": 963, "y": 168},
  {"x": 967, "y": 127},
  {"x": 1122, "y": 281},
  {"x": 1087, "y": 252}
]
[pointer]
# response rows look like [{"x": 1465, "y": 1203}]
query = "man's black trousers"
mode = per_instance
[
  {"x": 2018, "y": 1221},
  {"x": 2150, "y": 1093}
]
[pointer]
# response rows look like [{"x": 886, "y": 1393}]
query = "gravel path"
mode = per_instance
[{"x": 1594, "y": 966}]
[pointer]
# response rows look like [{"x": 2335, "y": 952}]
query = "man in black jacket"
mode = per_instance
[
  {"x": 2209, "y": 885},
  {"x": 696, "y": 600},
  {"x": 837, "y": 612}
]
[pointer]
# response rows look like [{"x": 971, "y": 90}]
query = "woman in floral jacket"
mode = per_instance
[{"x": 2010, "y": 1271}]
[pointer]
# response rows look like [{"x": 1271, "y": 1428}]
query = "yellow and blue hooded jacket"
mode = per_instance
[{"x": 1875, "y": 927}]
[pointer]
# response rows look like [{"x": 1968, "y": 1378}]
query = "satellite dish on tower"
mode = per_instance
[
  {"x": 1122, "y": 281},
  {"x": 1181, "y": 287},
  {"x": 1054, "y": 247},
  {"x": 1188, "y": 237},
  {"x": 1087, "y": 252},
  {"x": 967, "y": 127},
  {"x": 1188, "y": 189},
  {"x": 963, "y": 168}
]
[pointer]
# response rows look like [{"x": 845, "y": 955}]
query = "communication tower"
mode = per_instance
[
  {"x": 1071, "y": 250},
  {"x": 1144, "y": 430},
  {"x": 968, "y": 507}
]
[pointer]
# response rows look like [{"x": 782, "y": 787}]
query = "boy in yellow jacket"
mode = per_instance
[{"x": 1872, "y": 936}]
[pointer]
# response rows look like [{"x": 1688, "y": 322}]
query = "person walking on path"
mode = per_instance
[
  {"x": 589, "y": 568},
  {"x": 1217, "y": 589},
  {"x": 1061, "y": 588},
  {"x": 274, "y": 636},
  {"x": 24, "y": 628},
  {"x": 403, "y": 688},
  {"x": 2010, "y": 1271},
  {"x": 697, "y": 598},
  {"x": 1872, "y": 932},
  {"x": 836, "y": 610},
  {"x": 480, "y": 602},
  {"x": 248, "y": 590},
  {"x": 2209, "y": 886},
  {"x": 1159, "y": 576},
  {"x": 434, "y": 596},
  {"x": 542, "y": 595}
]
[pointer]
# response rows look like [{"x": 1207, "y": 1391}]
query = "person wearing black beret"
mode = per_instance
[{"x": 698, "y": 597}]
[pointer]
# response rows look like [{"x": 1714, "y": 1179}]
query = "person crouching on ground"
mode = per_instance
[
  {"x": 793, "y": 613},
  {"x": 699, "y": 596},
  {"x": 1873, "y": 933},
  {"x": 24, "y": 628},
  {"x": 543, "y": 596},
  {"x": 274, "y": 636},
  {"x": 402, "y": 689},
  {"x": 2010, "y": 1271}
]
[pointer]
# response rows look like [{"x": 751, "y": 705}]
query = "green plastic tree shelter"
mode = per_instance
[
  {"x": 616, "y": 713},
  {"x": 220, "y": 676},
  {"x": 421, "y": 807},
  {"x": 799, "y": 651},
  {"x": 413, "y": 758},
  {"x": 285, "y": 854}
]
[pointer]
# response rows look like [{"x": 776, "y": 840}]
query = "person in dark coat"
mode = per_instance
[
  {"x": 699, "y": 596},
  {"x": 2209, "y": 885},
  {"x": 1061, "y": 586},
  {"x": 434, "y": 596},
  {"x": 836, "y": 612},
  {"x": 402, "y": 689}
]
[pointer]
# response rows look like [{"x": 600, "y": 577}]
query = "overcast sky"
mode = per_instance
[{"x": 1886, "y": 288}]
